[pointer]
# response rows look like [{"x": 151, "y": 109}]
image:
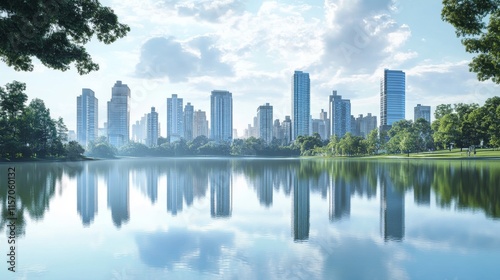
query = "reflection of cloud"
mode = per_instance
[
  {"x": 198, "y": 249},
  {"x": 168, "y": 57},
  {"x": 453, "y": 236}
]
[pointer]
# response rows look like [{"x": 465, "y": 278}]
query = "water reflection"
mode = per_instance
[
  {"x": 392, "y": 210},
  {"x": 463, "y": 184},
  {"x": 86, "y": 196},
  {"x": 221, "y": 192}
]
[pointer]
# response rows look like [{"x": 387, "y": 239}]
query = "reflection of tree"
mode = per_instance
[
  {"x": 468, "y": 185},
  {"x": 35, "y": 186}
]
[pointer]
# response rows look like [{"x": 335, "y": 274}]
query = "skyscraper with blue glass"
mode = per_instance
[
  {"x": 301, "y": 101},
  {"x": 392, "y": 97},
  {"x": 221, "y": 116}
]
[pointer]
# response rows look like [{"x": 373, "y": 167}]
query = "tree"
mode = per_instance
[
  {"x": 74, "y": 150},
  {"x": 55, "y": 32},
  {"x": 372, "y": 142},
  {"x": 477, "y": 22}
]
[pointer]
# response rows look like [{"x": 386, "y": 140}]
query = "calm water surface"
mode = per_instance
[{"x": 254, "y": 219}]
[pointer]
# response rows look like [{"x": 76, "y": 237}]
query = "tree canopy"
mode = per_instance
[
  {"x": 477, "y": 22},
  {"x": 55, "y": 32}
]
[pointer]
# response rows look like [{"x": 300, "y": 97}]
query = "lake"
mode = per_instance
[{"x": 216, "y": 218}]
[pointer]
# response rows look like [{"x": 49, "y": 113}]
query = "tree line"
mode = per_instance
[{"x": 28, "y": 131}]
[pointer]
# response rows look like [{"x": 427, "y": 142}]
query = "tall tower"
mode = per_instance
[
  {"x": 392, "y": 97},
  {"x": 86, "y": 117},
  {"x": 340, "y": 115},
  {"x": 152, "y": 128},
  {"x": 175, "y": 118},
  {"x": 188, "y": 121},
  {"x": 301, "y": 104},
  {"x": 119, "y": 115},
  {"x": 265, "y": 122},
  {"x": 200, "y": 124},
  {"x": 221, "y": 116}
]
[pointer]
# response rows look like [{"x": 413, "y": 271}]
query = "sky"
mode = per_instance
[{"x": 251, "y": 48}]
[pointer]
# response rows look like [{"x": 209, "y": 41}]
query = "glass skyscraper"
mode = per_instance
[
  {"x": 340, "y": 115},
  {"x": 265, "y": 122},
  {"x": 423, "y": 112},
  {"x": 301, "y": 101},
  {"x": 86, "y": 117},
  {"x": 221, "y": 116},
  {"x": 175, "y": 118},
  {"x": 392, "y": 97},
  {"x": 152, "y": 128},
  {"x": 119, "y": 115}
]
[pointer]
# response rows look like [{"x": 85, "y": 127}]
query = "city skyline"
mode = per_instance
[{"x": 342, "y": 45}]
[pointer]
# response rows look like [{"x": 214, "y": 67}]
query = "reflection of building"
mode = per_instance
[
  {"x": 301, "y": 104},
  {"x": 264, "y": 186},
  {"x": 86, "y": 117},
  {"x": 152, "y": 184},
  {"x": 175, "y": 187},
  {"x": 119, "y": 115},
  {"x": 340, "y": 199},
  {"x": 301, "y": 206},
  {"x": 392, "y": 211},
  {"x": 221, "y": 195},
  {"x": 118, "y": 195},
  {"x": 221, "y": 116},
  {"x": 86, "y": 196},
  {"x": 422, "y": 194}
]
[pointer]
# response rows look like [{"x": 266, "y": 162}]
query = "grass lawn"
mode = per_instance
[{"x": 456, "y": 153}]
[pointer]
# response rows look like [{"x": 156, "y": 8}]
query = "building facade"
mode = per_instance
[
  {"x": 175, "y": 118},
  {"x": 221, "y": 116},
  {"x": 86, "y": 117},
  {"x": 188, "y": 121},
  {"x": 301, "y": 104},
  {"x": 392, "y": 97},
  {"x": 119, "y": 115},
  {"x": 200, "y": 124},
  {"x": 423, "y": 112},
  {"x": 265, "y": 122},
  {"x": 152, "y": 128},
  {"x": 340, "y": 115}
]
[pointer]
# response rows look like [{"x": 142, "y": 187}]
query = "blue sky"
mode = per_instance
[{"x": 251, "y": 48}]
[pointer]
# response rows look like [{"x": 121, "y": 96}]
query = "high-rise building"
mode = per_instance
[
  {"x": 188, "y": 121},
  {"x": 86, "y": 117},
  {"x": 175, "y": 118},
  {"x": 287, "y": 130},
  {"x": 324, "y": 117},
  {"x": 265, "y": 122},
  {"x": 221, "y": 116},
  {"x": 152, "y": 128},
  {"x": 340, "y": 115},
  {"x": 423, "y": 112},
  {"x": 392, "y": 97},
  {"x": 119, "y": 115},
  {"x": 301, "y": 104},
  {"x": 364, "y": 125},
  {"x": 200, "y": 124},
  {"x": 139, "y": 130},
  {"x": 278, "y": 130}
]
